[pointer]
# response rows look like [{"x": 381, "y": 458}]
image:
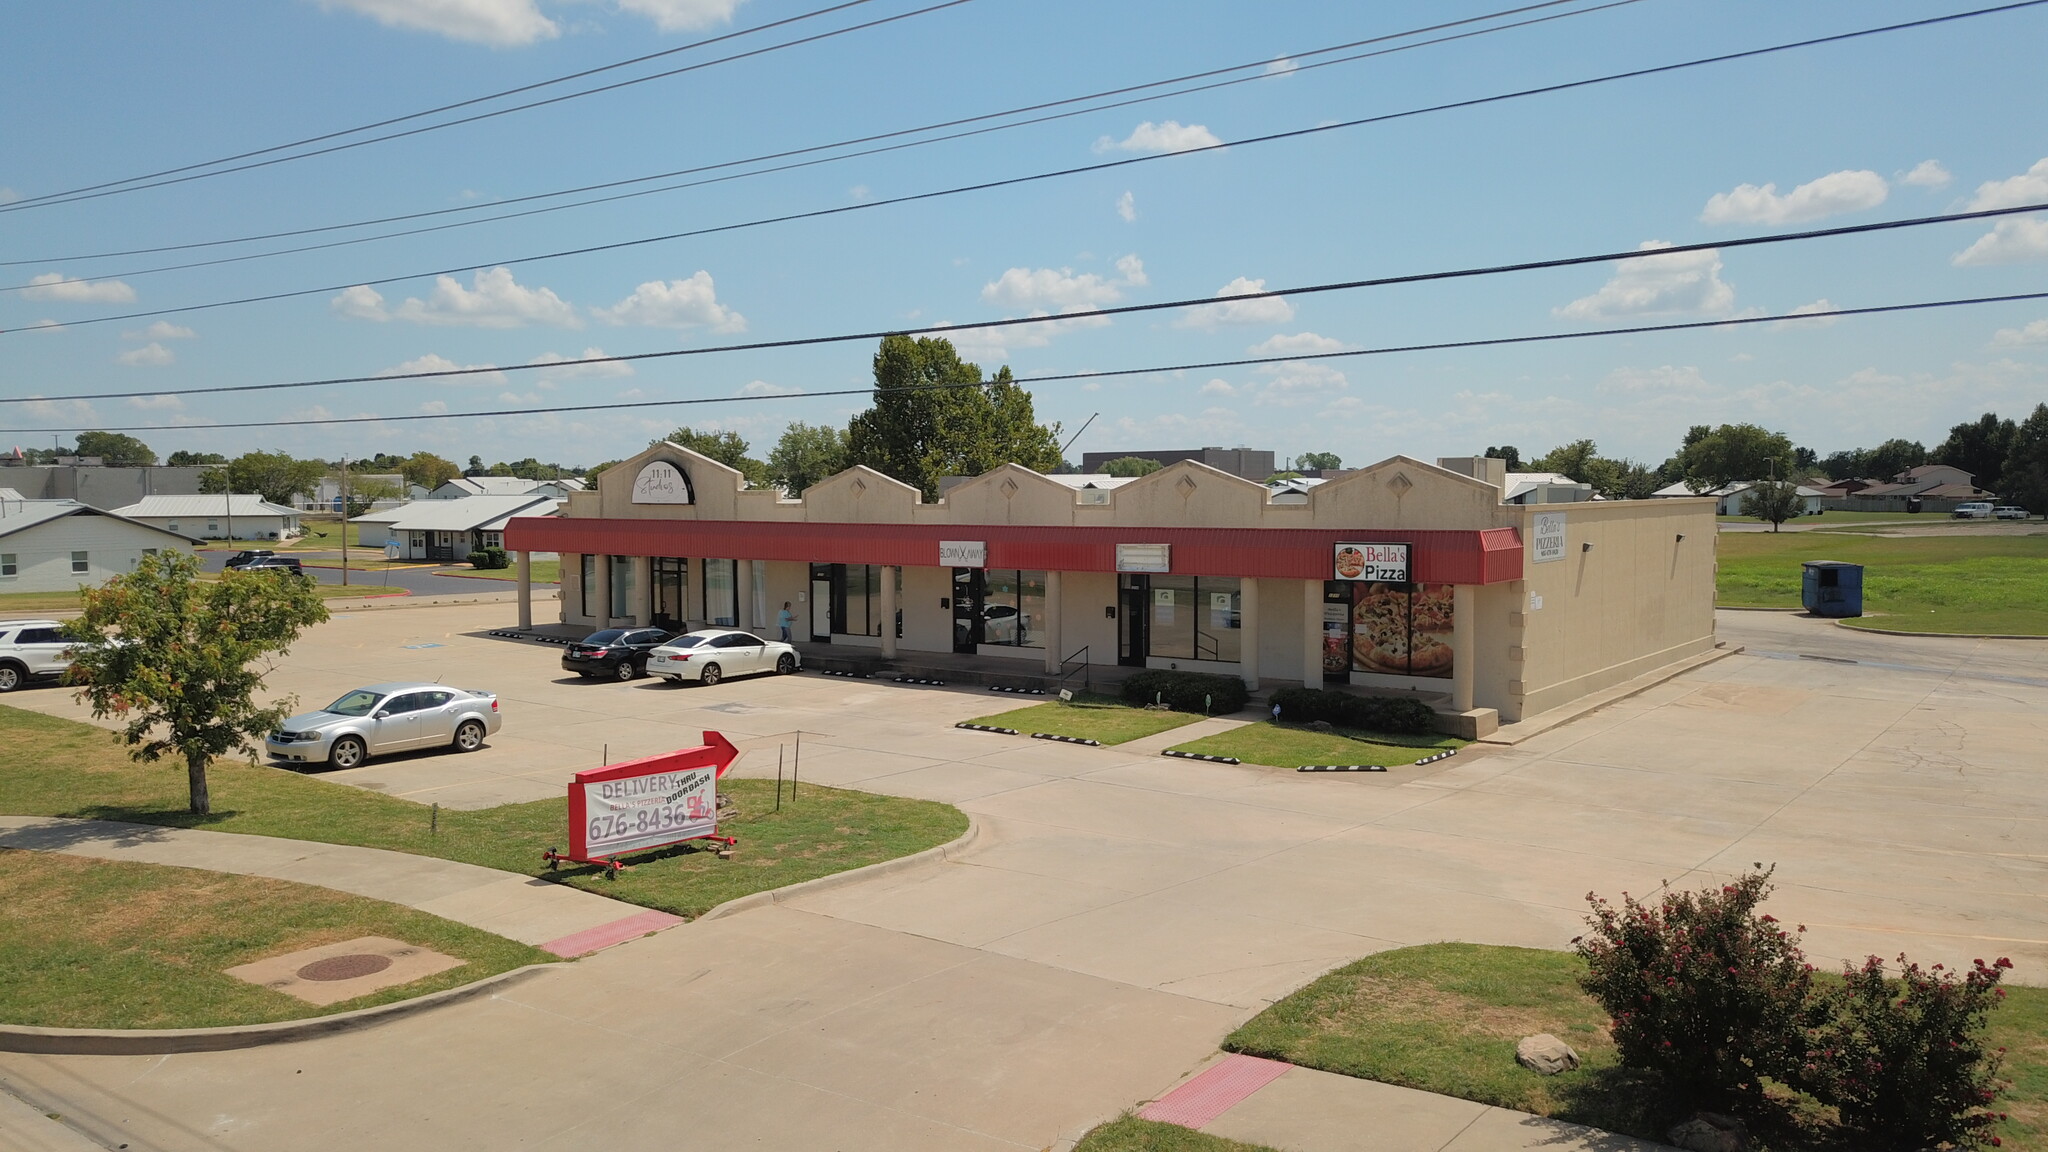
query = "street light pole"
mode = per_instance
[{"x": 344, "y": 521}]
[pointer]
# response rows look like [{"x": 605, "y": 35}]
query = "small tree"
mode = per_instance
[
  {"x": 806, "y": 454},
  {"x": 1319, "y": 460},
  {"x": 1131, "y": 466},
  {"x": 1773, "y": 503},
  {"x": 175, "y": 657},
  {"x": 428, "y": 470}
]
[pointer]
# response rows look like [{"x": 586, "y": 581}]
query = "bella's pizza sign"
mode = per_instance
[{"x": 1382, "y": 562}]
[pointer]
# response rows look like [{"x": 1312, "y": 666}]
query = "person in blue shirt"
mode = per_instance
[{"x": 786, "y": 619}]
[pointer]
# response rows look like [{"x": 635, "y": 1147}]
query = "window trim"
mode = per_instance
[{"x": 81, "y": 563}]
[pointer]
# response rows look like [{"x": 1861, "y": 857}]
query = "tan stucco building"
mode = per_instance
[{"x": 1401, "y": 576}]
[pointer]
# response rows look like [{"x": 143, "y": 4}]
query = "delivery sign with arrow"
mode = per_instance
[{"x": 647, "y": 803}]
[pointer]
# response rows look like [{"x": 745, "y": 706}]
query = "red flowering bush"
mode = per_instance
[
  {"x": 1705, "y": 994},
  {"x": 1904, "y": 1060}
]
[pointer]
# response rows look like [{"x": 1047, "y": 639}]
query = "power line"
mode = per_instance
[
  {"x": 111, "y": 188},
  {"x": 1119, "y": 310},
  {"x": 1261, "y": 64},
  {"x": 1039, "y": 176},
  {"x": 1100, "y": 374}
]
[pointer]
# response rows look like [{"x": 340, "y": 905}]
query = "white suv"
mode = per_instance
[
  {"x": 32, "y": 650},
  {"x": 1974, "y": 510}
]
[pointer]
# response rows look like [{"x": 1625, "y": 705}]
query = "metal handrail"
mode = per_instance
[
  {"x": 1214, "y": 647},
  {"x": 1087, "y": 679}
]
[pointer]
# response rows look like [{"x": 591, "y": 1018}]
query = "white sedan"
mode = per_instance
[{"x": 715, "y": 653}]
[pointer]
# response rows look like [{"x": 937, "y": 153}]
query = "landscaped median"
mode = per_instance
[
  {"x": 55, "y": 767},
  {"x": 1103, "y": 719},
  {"x": 1293, "y": 746},
  {"x": 117, "y": 944},
  {"x": 1134, "y": 1134}
]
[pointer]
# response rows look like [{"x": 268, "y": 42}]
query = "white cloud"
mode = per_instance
[
  {"x": 434, "y": 407},
  {"x": 1218, "y": 387},
  {"x": 1927, "y": 174},
  {"x": 1295, "y": 383},
  {"x": 498, "y": 23},
  {"x": 2029, "y": 187},
  {"x": 1127, "y": 207},
  {"x": 1832, "y": 194},
  {"x": 150, "y": 355},
  {"x": 1299, "y": 344},
  {"x": 1166, "y": 136},
  {"x": 157, "y": 403},
  {"x": 1683, "y": 282},
  {"x": 161, "y": 330},
  {"x": 2012, "y": 241},
  {"x": 610, "y": 368},
  {"x": 691, "y": 303},
  {"x": 72, "y": 290},
  {"x": 1268, "y": 310},
  {"x": 979, "y": 344},
  {"x": 1062, "y": 288},
  {"x": 70, "y": 411},
  {"x": 682, "y": 15},
  {"x": 519, "y": 398},
  {"x": 434, "y": 362},
  {"x": 1820, "y": 305},
  {"x": 764, "y": 388},
  {"x": 497, "y": 300},
  {"x": 1280, "y": 66},
  {"x": 2034, "y": 333},
  {"x": 1664, "y": 379}
]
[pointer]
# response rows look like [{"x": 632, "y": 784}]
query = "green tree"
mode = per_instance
[
  {"x": 1131, "y": 466},
  {"x": 184, "y": 459},
  {"x": 476, "y": 466},
  {"x": 1979, "y": 448},
  {"x": 428, "y": 470},
  {"x": 275, "y": 476},
  {"x": 2025, "y": 475},
  {"x": 117, "y": 448},
  {"x": 728, "y": 448},
  {"x": 1276, "y": 477},
  {"x": 180, "y": 659},
  {"x": 1773, "y": 503},
  {"x": 591, "y": 473},
  {"x": 934, "y": 416},
  {"x": 806, "y": 454},
  {"x": 1508, "y": 453},
  {"x": 1895, "y": 456},
  {"x": 1574, "y": 460},
  {"x": 1318, "y": 460},
  {"x": 1731, "y": 452}
]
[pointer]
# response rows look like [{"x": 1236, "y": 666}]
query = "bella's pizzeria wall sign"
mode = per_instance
[
  {"x": 661, "y": 482},
  {"x": 1372, "y": 562}
]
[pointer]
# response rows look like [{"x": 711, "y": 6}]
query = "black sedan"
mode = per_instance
[{"x": 620, "y": 653}]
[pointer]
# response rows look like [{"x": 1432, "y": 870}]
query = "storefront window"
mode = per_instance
[
  {"x": 1196, "y": 618},
  {"x": 622, "y": 586},
  {"x": 860, "y": 591},
  {"x": 1402, "y": 629},
  {"x": 721, "y": 606},
  {"x": 1013, "y": 608},
  {"x": 585, "y": 585}
]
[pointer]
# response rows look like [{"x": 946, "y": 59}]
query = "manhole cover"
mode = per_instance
[{"x": 344, "y": 967}]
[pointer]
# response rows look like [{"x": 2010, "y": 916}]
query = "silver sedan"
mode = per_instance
[{"x": 387, "y": 718}]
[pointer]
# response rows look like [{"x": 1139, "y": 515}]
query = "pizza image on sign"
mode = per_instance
[{"x": 1398, "y": 632}]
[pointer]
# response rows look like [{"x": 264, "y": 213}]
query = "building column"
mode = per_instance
[
  {"x": 525, "y": 590},
  {"x": 1248, "y": 631},
  {"x": 640, "y": 597},
  {"x": 1312, "y": 633},
  {"x": 699, "y": 595},
  {"x": 743, "y": 594},
  {"x": 1055, "y": 613},
  {"x": 888, "y": 573},
  {"x": 1464, "y": 643}
]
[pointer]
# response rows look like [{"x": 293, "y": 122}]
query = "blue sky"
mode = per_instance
[{"x": 1907, "y": 124}]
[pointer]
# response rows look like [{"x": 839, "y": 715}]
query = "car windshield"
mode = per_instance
[
  {"x": 691, "y": 641},
  {"x": 356, "y": 703},
  {"x": 604, "y": 637}
]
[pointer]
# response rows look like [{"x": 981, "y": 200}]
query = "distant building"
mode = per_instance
[
  {"x": 450, "y": 529},
  {"x": 1245, "y": 462},
  {"x": 95, "y": 485},
  {"x": 1928, "y": 488},
  {"x": 1728, "y": 498},
  {"x": 57, "y": 545},
  {"x": 1520, "y": 487},
  {"x": 243, "y": 516},
  {"x": 464, "y": 486}
]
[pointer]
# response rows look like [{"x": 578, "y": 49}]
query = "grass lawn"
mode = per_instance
[
  {"x": 1288, "y": 746},
  {"x": 1089, "y": 717},
  {"x": 322, "y": 535},
  {"x": 544, "y": 572},
  {"x": 116, "y": 944},
  {"x": 55, "y": 767},
  {"x": 1445, "y": 1018},
  {"x": 1993, "y": 584},
  {"x": 1128, "y": 1133},
  {"x": 1833, "y": 516},
  {"x": 17, "y": 603}
]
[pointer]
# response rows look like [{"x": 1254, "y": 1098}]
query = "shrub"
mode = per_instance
[
  {"x": 1184, "y": 691},
  {"x": 489, "y": 558},
  {"x": 1367, "y": 713},
  {"x": 1904, "y": 1060},
  {"x": 1705, "y": 994}
]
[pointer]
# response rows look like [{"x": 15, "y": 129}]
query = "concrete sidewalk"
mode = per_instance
[
  {"x": 556, "y": 917},
  {"x": 1303, "y": 1110}
]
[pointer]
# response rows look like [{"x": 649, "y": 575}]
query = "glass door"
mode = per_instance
[
  {"x": 1134, "y": 604},
  {"x": 671, "y": 592},
  {"x": 821, "y": 603},
  {"x": 969, "y": 589}
]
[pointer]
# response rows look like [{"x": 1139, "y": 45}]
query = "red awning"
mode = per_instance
[{"x": 1485, "y": 556}]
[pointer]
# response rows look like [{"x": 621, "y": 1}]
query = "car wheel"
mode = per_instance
[
  {"x": 712, "y": 674},
  {"x": 785, "y": 663},
  {"x": 626, "y": 671},
  {"x": 10, "y": 677},
  {"x": 348, "y": 752},
  {"x": 469, "y": 736}
]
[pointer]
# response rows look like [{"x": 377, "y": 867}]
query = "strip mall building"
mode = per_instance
[{"x": 1402, "y": 575}]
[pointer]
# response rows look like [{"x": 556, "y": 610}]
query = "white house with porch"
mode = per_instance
[{"x": 449, "y": 529}]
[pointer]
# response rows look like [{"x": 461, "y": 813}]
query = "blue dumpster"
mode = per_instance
[{"x": 1833, "y": 588}]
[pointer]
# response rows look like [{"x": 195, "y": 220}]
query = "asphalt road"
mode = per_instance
[{"x": 421, "y": 581}]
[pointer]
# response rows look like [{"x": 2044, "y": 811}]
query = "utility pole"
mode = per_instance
[{"x": 344, "y": 521}]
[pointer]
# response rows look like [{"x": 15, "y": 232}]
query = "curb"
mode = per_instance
[
  {"x": 916, "y": 680},
  {"x": 1179, "y": 755},
  {"x": 986, "y": 728},
  {"x": 162, "y": 1041},
  {"x": 1066, "y": 739},
  {"x": 939, "y": 854},
  {"x": 1430, "y": 759},
  {"x": 1938, "y": 635},
  {"x": 1746, "y": 608},
  {"x": 1017, "y": 691}
]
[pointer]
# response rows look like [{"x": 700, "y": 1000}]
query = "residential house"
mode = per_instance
[
  {"x": 465, "y": 486},
  {"x": 1928, "y": 488},
  {"x": 449, "y": 529},
  {"x": 1728, "y": 498},
  {"x": 242, "y": 516},
  {"x": 57, "y": 545}
]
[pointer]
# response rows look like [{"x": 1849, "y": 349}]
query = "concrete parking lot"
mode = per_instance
[{"x": 1120, "y": 912}]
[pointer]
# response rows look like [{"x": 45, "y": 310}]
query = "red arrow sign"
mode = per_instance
[{"x": 716, "y": 750}]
